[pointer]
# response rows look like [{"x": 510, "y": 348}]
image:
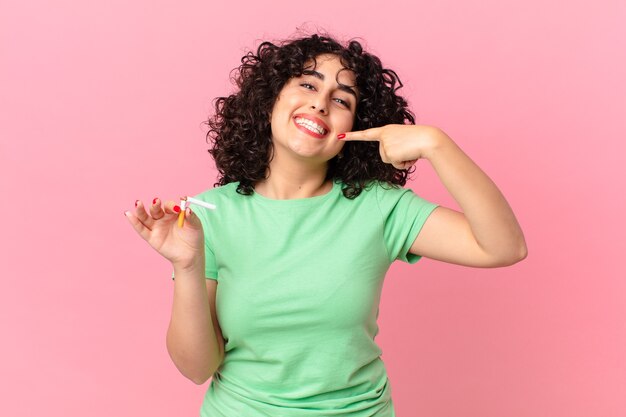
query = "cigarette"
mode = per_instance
[
  {"x": 181, "y": 215},
  {"x": 201, "y": 203},
  {"x": 190, "y": 200}
]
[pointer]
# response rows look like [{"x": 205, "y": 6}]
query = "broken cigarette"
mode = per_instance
[{"x": 190, "y": 200}]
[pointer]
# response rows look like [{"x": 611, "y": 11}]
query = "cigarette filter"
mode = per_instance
[{"x": 181, "y": 215}]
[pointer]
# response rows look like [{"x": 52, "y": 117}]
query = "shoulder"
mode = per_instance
[
  {"x": 222, "y": 192},
  {"x": 390, "y": 197},
  {"x": 224, "y": 198},
  {"x": 384, "y": 191},
  {"x": 380, "y": 192},
  {"x": 383, "y": 197},
  {"x": 373, "y": 187}
]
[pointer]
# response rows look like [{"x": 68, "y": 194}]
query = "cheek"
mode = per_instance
[
  {"x": 278, "y": 115},
  {"x": 346, "y": 123},
  {"x": 282, "y": 109}
]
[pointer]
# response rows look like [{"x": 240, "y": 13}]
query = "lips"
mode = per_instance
[{"x": 311, "y": 125}]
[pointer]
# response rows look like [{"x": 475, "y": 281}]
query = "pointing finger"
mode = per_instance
[{"x": 372, "y": 134}]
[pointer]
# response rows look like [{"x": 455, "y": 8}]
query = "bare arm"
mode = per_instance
[
  {"x": 486, "y": 233},
  {"x": 194, "y": 339}
]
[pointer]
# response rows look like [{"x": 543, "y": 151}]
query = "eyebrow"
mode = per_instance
[{"x": 321, "y": 76}]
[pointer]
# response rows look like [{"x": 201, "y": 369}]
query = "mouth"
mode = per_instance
[{"x": 311, "y": 126}]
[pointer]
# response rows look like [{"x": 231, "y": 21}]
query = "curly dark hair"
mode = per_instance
[{"x": 240, "y": 130}]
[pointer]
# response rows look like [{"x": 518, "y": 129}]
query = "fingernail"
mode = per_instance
[
  {"x": 125, "y": 214},
  {"x": 154, "y": 201},
  {"x": 341, "y": 136},
  {"x": 136, "y": 202},
  {"x": 177, "y": 209}
]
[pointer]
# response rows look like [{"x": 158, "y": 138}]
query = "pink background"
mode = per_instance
[{"x": 102, "y": 104}]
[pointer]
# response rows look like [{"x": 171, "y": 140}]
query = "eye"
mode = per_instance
[
  {"x": 307, "y": 86},
  {"x": 343, "y": 102}
]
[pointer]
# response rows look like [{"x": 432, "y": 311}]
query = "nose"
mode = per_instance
[
  {"x": 321, "y": 109},
  {"x": 320, "y": 104}
]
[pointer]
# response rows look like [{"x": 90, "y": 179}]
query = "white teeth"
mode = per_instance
[{"x": 310, "y": 125}]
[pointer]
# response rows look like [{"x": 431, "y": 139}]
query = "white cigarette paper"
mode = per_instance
[{"x": 201, "y": 203}]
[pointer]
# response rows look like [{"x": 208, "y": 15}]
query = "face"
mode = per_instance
[{"x": 311, "y": 110}]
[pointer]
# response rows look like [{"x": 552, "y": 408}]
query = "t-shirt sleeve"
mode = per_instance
[
  {"x": 403, "y": 213},
  {"x": 210, "y": 266}
]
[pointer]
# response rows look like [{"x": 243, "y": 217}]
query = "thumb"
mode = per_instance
[{"x": 192, "y": 219}]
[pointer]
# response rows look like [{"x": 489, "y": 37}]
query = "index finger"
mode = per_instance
[{"x": 369, "y": 135}]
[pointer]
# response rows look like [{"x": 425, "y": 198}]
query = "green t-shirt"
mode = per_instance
[{"x": 299, "y": 284}]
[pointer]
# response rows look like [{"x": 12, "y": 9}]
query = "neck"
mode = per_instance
[{"x": 297, "y": 180}]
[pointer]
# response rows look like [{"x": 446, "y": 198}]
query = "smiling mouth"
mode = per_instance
[{"x": 310, "y": 126}]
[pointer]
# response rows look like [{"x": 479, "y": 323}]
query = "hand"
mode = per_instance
[
  {"x": 181, "y": 246},
  {"x": 400, "y": 145}
]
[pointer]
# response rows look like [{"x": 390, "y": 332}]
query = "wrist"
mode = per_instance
[
  {"x": 194, "y": 265},
  {"x": 437, "y": 140}
]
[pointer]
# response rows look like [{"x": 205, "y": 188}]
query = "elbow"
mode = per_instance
[
  {"x": 523, "y": 253},
  {"x": 508, "y": 258},
  {"x": 198, "y": 374},
  {"x": 203, "y": 376},
  {"x": 199, "y": 380},
  {"x": 515, "y": 256}
]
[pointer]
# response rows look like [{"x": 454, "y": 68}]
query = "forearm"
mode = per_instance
[
  {"x": 191, "y": 340},
  {"x": 490, "y": 217}
]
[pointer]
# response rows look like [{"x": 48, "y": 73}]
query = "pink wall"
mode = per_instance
[{"x": 101, "y": 104}]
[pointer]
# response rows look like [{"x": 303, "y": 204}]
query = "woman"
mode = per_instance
[{"x": 312, "y": 151}]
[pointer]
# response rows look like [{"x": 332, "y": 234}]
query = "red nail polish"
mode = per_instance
[
  {"x": 154, "y": 201},
  {"x": 136, "y": 201},
  {"x": 341, "y": 136},
  {"x": 177, "y": 209}
]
